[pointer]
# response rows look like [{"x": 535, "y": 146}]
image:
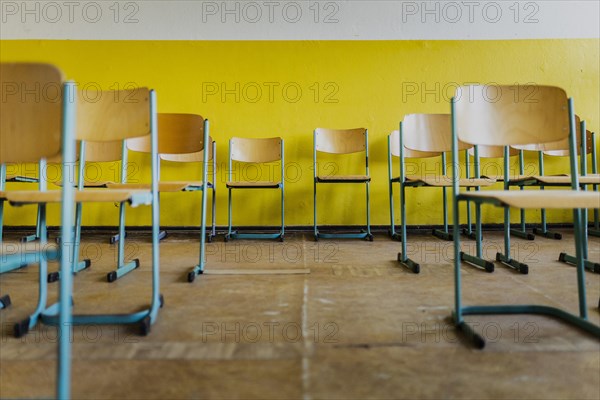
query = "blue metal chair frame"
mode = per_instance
[
  {"x": 199, "y": 268},
  {"x": 365, "y": 234},
  {"x": 22, "y": 179},
  {"x": 14, "y": 263},
  {"x": 468, "y": 230},
  {"x": 461, "y": 311},
  {"x": 565, "y": 257},
  {"x": 213, "y": 187},
  {"x": 52, "y": 315},
  {"x": 231, "y": 234}
]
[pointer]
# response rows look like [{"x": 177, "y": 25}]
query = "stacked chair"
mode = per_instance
[
  {"x": 511, "y": 121},
  {"x": 180, "y": 135},
  {"x": 341, "y": 141}
]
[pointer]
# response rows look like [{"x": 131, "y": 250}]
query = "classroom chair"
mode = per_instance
[
  {"x": 430, "y": 134},
  {"x": 199, "y": 157},
  {"x": 33, "y": 129},
  {"x": 115, "y": 115},
  {"x": 394, "y": 151},
  {"x": 511, "y": 121},
  {"x": 183, "y": 136},
  {"x": 584, "y": 146},
  {"x": 246, "y": 150},
  {"x": 340, "y": 142}
]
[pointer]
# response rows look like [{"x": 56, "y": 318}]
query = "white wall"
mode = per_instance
[{"x": 299, "y": 20}]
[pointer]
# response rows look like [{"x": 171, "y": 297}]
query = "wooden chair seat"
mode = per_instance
[
  {"x": 81, "y": 196},
  {"x": 555, "y": 199},
  {"x": 344, "y": 178},
  {"x": 446, "y": 181},
  {"x": 90, "y": 184},
  {"x": 255, "y": 185},
  {"x": 566, "y": 179},
  {"x": 512, "y": 178},
  {"x": 20, "y": 178},
  {"x": 561, "y": 179},
  {"x": 165, "y": 186}
]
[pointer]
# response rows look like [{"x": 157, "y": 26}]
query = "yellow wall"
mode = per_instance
[{"x": 370, "y": 83}]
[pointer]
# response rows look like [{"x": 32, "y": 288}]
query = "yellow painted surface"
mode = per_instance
[{"x": 264, "y": 89}]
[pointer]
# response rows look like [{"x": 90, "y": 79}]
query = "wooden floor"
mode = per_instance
[{"x": 335, "y": 320}]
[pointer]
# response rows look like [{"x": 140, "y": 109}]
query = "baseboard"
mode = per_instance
[{"x": 291, "y": 228}]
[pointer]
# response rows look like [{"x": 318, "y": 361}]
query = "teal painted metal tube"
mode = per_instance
[
  {"x": 455, "y": 191},
  {"x": 214, "y": 190},
  {"x": 444, "y": 194},
  {"x": 63, "y": 386},
  {"x": 402, "y": 194},
  {"x": 595, "y": 187},
  {"x": 584, "y": 212},
  {"x": 521, "y": 172},
  {"x": 316, "y": 231},
  {"x": 390, "y": 187},
  {"x": 282, "y": 188},
  {"x": 121, "y": 244},
  {"x": 2, "y": 180},
  {"x": 78, "y": 206},
  {"x": 577, "y": 214},
  {"x": 534, "y": 309},
  {"x": 541, "y": 170},
  {"x": 478, "y": 230},
  {"x": 155, "y": 209},
  {"x": 469, "y": 229},
  {"x": 202, "y": 254},
  {"x": 229, "y": 197},
  {"x": 368, "y": 182},
  {"x": 506, "y": 209}
]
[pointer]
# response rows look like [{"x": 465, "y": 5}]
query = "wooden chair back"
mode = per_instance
[
  {"x": 340, "y": 141},
  {"x": 191, "y": 157},
  {"x": 105, "y": 116},
  {"x": 103, "y": 151},
  {"x": 30, "y": 112},
  {"x": 429, "y": 133},
  {"x": 497, "y": 115},
  {"x": 408, "y": 153},
  {"x": 255, "y": 150},
  {"x": 493, "y": 151},
  {"x": 177, "y": 134},
  {"x": 561, "y": 149}
]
